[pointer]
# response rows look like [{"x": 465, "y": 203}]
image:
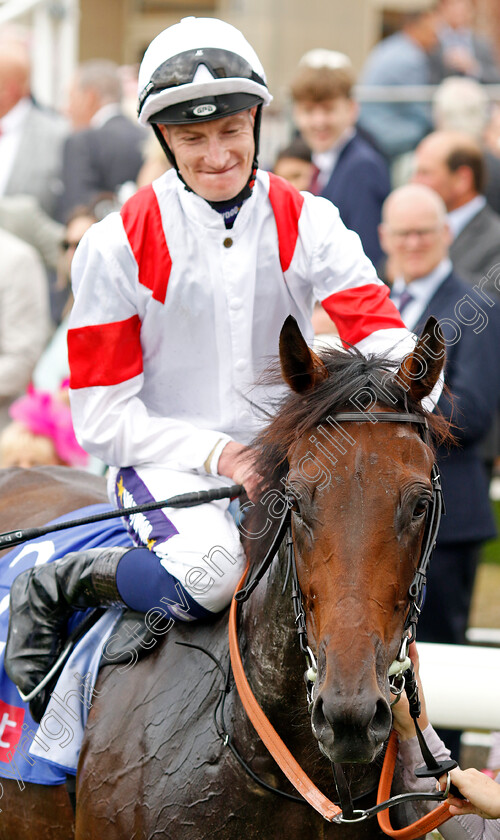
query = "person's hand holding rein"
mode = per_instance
[
  {"x": 237, "y": 462},
  {"x": 482, "y": 794}
]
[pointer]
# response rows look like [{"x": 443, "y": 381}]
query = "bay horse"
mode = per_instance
[{"x": 158, "y": 758}]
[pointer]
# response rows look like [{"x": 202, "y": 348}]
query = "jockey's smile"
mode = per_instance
[{"x": 214, "y": 157}]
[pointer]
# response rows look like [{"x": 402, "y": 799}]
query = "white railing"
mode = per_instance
[
  {"x": 409, "y": 93},
  {"x": 484, "y": 636},
  {"x": 277, "y": 123},
  {"x": 461, "y": 685}
]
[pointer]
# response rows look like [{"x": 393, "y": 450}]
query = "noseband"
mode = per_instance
[{"x": 400, "y": 671}]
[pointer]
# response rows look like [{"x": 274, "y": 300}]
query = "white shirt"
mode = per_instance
[
  {"x": 422, "y": 290},
  {"x": 11, "y": 131},
  {"x": 458, "y": 219},
  {"x": 203, "y": 349}
]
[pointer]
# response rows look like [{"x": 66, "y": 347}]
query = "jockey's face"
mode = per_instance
[{"x": 215, "y": 157}]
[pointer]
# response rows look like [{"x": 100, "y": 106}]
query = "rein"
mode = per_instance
[
  {"x": 402, "y": 665},
  {"x": 11, "y": 538}
]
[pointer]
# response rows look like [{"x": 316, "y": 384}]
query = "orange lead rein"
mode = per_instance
[
  {"x": 428, "y": 823},
  {"x": 281, "y": 754}
]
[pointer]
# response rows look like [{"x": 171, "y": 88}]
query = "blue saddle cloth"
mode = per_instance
[{"x": 17, "y": 727}]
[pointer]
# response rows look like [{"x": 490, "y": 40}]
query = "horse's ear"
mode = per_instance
[
  {"x": 301, "y": 369},
  {"x": 420, "y": 371}
]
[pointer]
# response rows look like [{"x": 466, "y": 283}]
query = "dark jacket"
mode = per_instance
[
  {"x": 359, "y": 186},
  {"x": 98, "y": 160},
  {"x": 475, "y": 253},
  {"x": 472, "y": 374},
  {"x": 476, "y": 250}
]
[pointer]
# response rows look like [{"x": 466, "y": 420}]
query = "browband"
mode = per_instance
[{"x": 383, "y": 416}]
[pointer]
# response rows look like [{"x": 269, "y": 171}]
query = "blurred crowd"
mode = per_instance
[{"x": 59, "y": 174}]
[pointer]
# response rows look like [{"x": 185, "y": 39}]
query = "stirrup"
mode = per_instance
[
  {"x": 27, "y": 698},
  {"x": 43, "y": 690}
]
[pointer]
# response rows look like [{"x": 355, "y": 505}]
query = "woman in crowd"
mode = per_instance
[{"x": 41, "y": 432}]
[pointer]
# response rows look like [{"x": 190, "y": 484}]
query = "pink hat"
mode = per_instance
[{"x": 45, "y": 414}]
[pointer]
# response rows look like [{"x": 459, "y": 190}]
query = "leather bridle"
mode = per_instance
[{"x": 400, "y": 674}]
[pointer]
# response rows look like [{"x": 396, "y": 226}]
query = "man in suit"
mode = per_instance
[
  {"x": 30, "y": 137},
  {"x": 22, "y": 216},
  {"x": 349, "y": 171},
  {"x": 106, "y": 148},
  {"x": 415, "y": 233},
  {"x": 452, "y": 164},
  {"x": 463, "y": 104}
]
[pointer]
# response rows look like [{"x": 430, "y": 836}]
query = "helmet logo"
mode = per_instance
[{"x": 205, "y": 109}]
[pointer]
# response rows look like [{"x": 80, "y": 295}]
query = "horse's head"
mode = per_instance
[{"x": 360, "y": 493}]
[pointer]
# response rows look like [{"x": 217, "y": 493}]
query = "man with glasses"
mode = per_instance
[
  {"x": 179, "y": 300},
  {"x": 416, "y": 236}
]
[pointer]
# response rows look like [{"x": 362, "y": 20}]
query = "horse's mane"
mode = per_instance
[{"x": 349, "y": 373}]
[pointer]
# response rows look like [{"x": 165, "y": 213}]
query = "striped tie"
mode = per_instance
[
  {"x": 404, "y": 300},
  {"x": 314, "y": 185}
]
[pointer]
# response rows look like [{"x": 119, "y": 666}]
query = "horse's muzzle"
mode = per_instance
[{"x": 351, "y": 732}]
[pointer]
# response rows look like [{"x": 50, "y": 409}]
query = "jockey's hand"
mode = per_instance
[{"x": 237, "y": 462}]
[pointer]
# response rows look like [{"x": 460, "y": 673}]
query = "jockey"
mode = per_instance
[{"x": 179, "y": 300}]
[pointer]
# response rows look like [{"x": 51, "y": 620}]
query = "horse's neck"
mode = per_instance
[{"x": 273, "y": 661}]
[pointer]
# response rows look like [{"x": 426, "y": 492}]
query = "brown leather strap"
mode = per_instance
[
  {"x": 417, "y": 829},
  {"x": 281, "y": 754}
]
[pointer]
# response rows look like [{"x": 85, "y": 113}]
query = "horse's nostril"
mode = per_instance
[
  {"x": 382, "y": 719},
  {"x": 316, "y": 714}
]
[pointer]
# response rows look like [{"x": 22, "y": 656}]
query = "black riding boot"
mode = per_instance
[{"x": 41, "y": 602}]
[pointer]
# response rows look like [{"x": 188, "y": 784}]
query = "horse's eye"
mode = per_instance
[
  {"x": 421, "y": 507},
  {"x": 293, "y": 503}
]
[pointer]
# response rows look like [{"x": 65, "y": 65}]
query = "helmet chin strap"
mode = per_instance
[
  {"x": 166, "y": 148},
  {"x": 243, "y": 193}
]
